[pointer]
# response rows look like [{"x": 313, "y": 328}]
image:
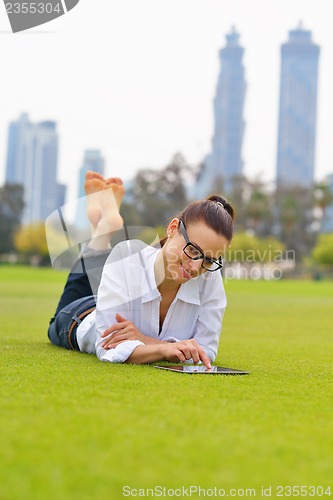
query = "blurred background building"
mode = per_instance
[
  {"x": 32, "y": 161},
  {"x": 225, "y": 160},
  {"x": 298, "y": 107}
]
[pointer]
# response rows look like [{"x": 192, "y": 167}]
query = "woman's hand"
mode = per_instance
[
  {"x": 122, "y": 331},
  {"x": 184, "y": 350},
  {"x": 171, "y": 351}
]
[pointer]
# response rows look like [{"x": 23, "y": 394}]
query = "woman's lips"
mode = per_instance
[{"x": 185, "y": 273}]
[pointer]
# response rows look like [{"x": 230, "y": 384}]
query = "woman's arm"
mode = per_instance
[
  {"x": 125, "y": 330},
  {"x": 153, "y": 349},
  {"x": 114, "y": 297},
  {"x": 176, "y": 352}
]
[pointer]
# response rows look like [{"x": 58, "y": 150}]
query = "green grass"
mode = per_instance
[{"x": 73, "y": 427}]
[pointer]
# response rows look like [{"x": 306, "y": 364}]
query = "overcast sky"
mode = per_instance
[{"x": 136, "y": 78}]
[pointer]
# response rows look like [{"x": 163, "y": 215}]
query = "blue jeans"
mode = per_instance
[
  {"x": 77, "y": 300},
  {"x": 62, "y": 329}
]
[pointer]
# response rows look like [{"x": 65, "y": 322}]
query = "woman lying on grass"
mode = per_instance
[{"x": 152, "y": 304}]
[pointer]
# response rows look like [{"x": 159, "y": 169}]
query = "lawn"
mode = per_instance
[{"x": 72, "y": 427}]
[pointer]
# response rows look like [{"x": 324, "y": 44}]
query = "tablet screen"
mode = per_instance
[{"x": 214, "y": 370}]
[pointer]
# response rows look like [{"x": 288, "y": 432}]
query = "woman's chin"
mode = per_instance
[{"x": 177, "y": 276}]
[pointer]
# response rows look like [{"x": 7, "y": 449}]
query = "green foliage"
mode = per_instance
[
  {"x": 290, "y": 214},
  {"x": 152, "y": 235},
  {"x": 130, "y": 214},
  {"x": 31, "y": 240},
  {"x": 72, "y": 427},
  {"x": 249, "y": 248},
  {"x": 297, "y": 225},
  {"x": 323, "y": 251},
  {"x": 159, "y": 195},
  {"x": 11, "y": 207},
  {"x": 323, "y": 195}
]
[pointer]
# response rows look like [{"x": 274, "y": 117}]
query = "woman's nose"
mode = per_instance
[{"x": 194, "y": 265}]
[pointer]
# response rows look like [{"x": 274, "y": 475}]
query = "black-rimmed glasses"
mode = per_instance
[{"x": 195, "y": 254}]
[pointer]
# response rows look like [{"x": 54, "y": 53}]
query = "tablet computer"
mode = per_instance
[{"x": 202, "y": 369}]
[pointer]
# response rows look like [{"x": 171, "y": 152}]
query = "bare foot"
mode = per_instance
[
  {"x": 93, "y": 185},
  {"x": 103, "y": 201},
  {"x": 110, "y": 219},
  {"x": 117, "y": 187}
]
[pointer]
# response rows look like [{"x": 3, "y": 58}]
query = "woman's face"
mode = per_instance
[{"x": 181, "y": 268}]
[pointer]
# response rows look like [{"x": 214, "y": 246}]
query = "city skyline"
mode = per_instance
[{"x": 141, "y": 94}]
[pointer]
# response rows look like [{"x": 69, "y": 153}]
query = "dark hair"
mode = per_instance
[{"x": 215, "y": 211}]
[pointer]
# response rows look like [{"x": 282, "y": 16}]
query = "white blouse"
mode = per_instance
[{"x": 128, "y": 287}]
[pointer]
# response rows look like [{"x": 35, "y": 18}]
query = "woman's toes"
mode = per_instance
[
  {"x": 93, "y": 184},
  {"x": 114, "y": 180}
]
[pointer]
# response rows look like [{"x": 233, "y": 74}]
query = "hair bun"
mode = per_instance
[{"x": 223, "y": 203}]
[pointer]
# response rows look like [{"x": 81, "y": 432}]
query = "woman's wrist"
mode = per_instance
[{"x": 148, "y": 353}]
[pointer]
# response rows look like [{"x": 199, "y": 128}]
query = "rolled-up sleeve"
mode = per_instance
[
  {"x": 120, "y": 353},
  {"x": 113, "y": 298}
]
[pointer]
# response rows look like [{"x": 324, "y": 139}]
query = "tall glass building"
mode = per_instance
[
  {"x": 225, "y": 160},
  {"x": 298, "y": 106},
  {"x": 32, "y": 160}
]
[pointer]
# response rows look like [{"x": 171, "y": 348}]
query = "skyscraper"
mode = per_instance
[
  {"x": 32, "y": 160},
  {"x": 93, "y": 160},
  {"x": 225, "y": 160},
  {"x": 298, "y": 105}
]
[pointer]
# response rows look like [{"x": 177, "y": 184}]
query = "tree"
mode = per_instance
[
  {"x": 322, "y": 253},
  {"x": 31, "y": 240},
  {"x": 258, "y": 209},
  {"x": 249, "y": 248},
  {"x": 323, "y": 198},
  {"x": 11, "y": 208},
  {"x": 159, "y": 194},
  {"x": 295, "y": 219},
  {"x": 237, "y": 198},
  {"x": 130, "y": 214}
]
